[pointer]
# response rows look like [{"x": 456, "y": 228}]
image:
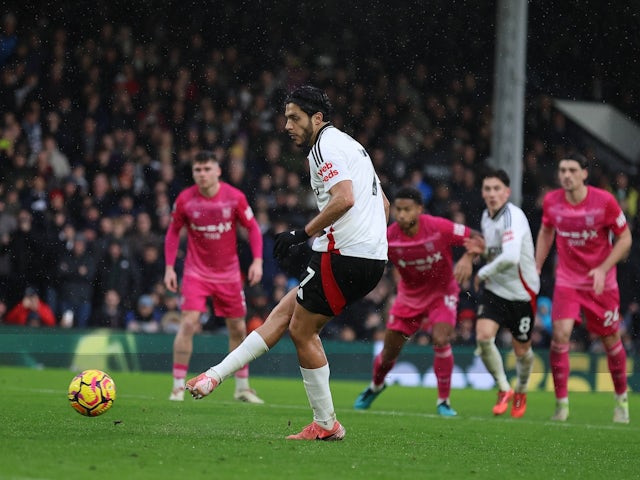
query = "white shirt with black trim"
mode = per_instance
[
  {"x": 510, "y": 271},
  {"x": 362, "y": 231}
]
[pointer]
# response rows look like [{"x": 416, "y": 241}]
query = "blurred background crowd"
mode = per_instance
[{"x": 103, "y": 108}]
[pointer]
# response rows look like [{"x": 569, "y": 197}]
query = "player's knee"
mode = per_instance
[{"x": 485, "y": 344}]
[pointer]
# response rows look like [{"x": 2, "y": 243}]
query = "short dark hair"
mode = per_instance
[
  {"x": 311, "y": 100},
  {"x": 500, "y": 174},
  {"x": 410, "y": 193},
  {"x": 577, "y": 157},
  {"x": 205, "y": 156}
]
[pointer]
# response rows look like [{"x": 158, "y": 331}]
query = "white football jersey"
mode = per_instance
[
  {"x": 510, "y": 271},
  {"x": 362, "y": 231}
]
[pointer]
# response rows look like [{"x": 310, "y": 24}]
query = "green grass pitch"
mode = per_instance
[{"x": 144, "y": 436}]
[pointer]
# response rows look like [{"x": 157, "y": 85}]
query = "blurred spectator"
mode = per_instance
[
  {"x": 170, "y": 310},
  {"x": 26, "y": 252},
  {"x": 117, "y": 271},
  {"x": 76, "y": 271},
  {"x": 145, "y": 317},
  {"x": 150, "y": 266},
  {"x": 31, "y": 311},
  {"x": 8, "y": 224},
  {"x": 111, "y": 312},
  {"x": 466, "y": 328}
]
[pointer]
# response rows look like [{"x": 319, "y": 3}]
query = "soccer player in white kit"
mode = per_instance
[
  {"x": 349, "y": 257},
  {"x": 584, "y": 219},
  {"x": 511, "y": 285}
]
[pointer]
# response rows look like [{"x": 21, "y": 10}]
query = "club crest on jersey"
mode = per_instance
[
  {"x": 589, "y": 220},
  {"x": 226, "y": 212}
]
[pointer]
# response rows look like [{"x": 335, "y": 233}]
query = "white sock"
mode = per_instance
[
  {"x": 251, "y": 348},
  {"x": 493, "y": 361},
  {"x": 621, "y": 398},
  {"x": 376, "y": 388},
  {"x": 242, "y": 383},
  {"x": 316, "y": 383},
  {"x": 524, "y": 365},
  {"x": 178, "y": 383}
]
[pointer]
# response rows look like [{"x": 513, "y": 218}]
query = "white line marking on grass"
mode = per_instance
[{"x": 390, "y": 413}]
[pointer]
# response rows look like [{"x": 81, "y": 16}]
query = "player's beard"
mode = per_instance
[{"x": 306, "y": 136}]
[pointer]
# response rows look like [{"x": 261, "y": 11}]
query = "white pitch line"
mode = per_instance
[{"x": 390, "y": 413}]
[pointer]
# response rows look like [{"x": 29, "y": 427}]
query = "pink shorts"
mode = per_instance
[
  {"x": 437, "y": 312},
  {"x": 228, "y": 297},
  {"x": 601, "y": 312}
]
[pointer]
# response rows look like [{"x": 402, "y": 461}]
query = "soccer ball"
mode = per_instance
[{"x": 92, "y": 393}]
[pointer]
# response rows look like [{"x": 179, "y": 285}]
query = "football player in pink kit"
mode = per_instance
[
  {"x": 582, "y": 218},
  {"x": 348, "y": 260},
  {"x": 209, "y": 211},
  {"x": 420, "y": 249}
]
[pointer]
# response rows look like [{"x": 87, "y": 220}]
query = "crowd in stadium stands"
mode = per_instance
[{"x": 97, "y": 133}]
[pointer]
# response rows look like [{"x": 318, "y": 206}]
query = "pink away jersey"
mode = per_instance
[
  {"x": 582, "y": 235},
  {"x": 212, "y": 252},
  {"x": 424, "y": 262}
]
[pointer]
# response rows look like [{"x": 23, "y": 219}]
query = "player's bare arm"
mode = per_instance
[
  {"x": 341, "y": 201},
  {"x": 170, "y": 278},
  {"x": 254, "y": 274},
  {"x": 620, "y": 250},
  {"x": 543, "y": 245},
  {"x": 463, "y": 268},
  {"x": 387, "y": 206}
]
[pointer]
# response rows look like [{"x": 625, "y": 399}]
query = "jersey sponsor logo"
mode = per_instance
[
  {"x": 248, "y": 213},
  {"x": 421, "y": 264},
  {"x": 221, "y": 227},
  {"x": 578, "y": 238},
  {"x": 326, "y": 172},
  {"x": 621, "y": 220},
  {"x": 507, "y": 236}
]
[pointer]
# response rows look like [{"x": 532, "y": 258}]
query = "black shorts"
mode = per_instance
[
  {"x": 334, "y": 281},
  {"x": 518, "y": 317}
]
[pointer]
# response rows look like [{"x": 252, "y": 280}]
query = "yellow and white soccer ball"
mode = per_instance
[{"x": 92, "y": 393}]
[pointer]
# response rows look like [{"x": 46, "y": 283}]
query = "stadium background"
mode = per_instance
[{"x": 412, "y": 81}]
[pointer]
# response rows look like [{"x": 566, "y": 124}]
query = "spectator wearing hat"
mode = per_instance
[
  {"x": 145, "y": 317},
  {"x": 31, "y": 311},
  {"x": 465, "y": 327}
]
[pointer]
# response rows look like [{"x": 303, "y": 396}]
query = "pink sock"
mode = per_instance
[
  {"x": 243, "y": 372},
  {"x": 381, "y": 369},
  {"x": 559, "y": 359},
  {"x": 617, "y": 360},
  {"x": 180, "y": 370},
  {"x": 443, "y": 368}
]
